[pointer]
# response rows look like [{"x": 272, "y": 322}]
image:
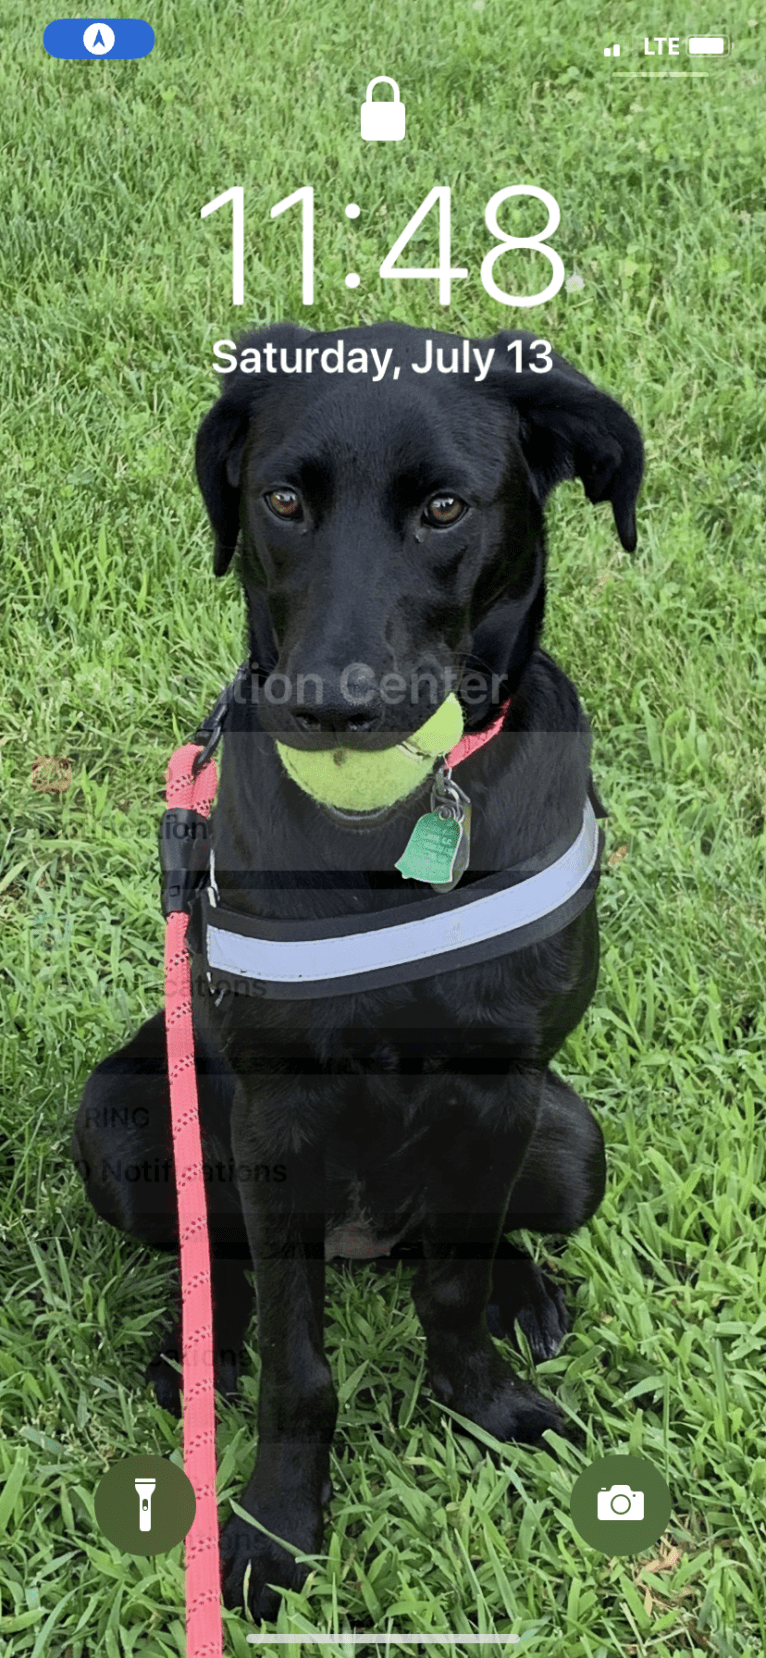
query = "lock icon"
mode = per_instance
[{"x": 384, "y": 119}]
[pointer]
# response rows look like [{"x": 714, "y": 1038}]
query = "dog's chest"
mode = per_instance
[
  {"x": 358, "y": 1237},
  {"x": 375, "y": 1186}
]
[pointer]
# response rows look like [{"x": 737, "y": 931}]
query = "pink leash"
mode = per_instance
[{"x": 204, "y": 1628}]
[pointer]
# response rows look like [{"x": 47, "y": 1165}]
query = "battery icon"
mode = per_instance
[{"x": 707, "y": 46}]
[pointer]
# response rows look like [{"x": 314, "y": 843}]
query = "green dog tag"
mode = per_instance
[
  {"x": 439, "y": 847},
  {"x": 431, "y": 850}
]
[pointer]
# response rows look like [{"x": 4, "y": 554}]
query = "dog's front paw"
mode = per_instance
[
  {"x": 519, "y": 1413},
  {"x": 271, "y": 1567},
  {"x": 484, "y": 1389},
  {"x": 523, "y": 1293},
  {"x": 514, "y": 1414}
]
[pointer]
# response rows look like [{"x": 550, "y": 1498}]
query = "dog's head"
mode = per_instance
[{"x": 390, "y": 518}]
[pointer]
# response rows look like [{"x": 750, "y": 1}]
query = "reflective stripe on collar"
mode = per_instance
[{"x": 492, "y": 917}]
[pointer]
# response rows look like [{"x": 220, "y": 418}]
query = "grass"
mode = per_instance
[{"x": 115, "y": 639}]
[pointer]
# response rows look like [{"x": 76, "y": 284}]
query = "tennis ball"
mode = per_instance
[{"x": 363, "y": 782}]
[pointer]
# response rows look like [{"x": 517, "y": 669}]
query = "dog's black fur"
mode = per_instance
[{"x": 425, "y": 1115}]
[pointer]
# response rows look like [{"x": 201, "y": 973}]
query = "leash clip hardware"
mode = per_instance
[
  {"x": 218, "y": 994},
  {"x": 185, "y": 847},
  {"x": 212, "y": 887},
  {"x": 211, "y": 729},
  {"x": 205, "y": 754}
]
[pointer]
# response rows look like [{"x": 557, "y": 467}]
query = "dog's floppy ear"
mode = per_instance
[
  {"x": 218, "y": 456},
  {"x": 570, "y": 429},
  {"x": 222, "y": 436}
]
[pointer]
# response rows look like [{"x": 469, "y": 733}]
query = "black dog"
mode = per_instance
[{"x": 388, "y": 526}]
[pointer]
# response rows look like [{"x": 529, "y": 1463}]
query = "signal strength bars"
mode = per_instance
[{"x": 611, "y": 51}]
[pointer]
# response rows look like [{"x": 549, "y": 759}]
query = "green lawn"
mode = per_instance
[{"x": 115, "y": 639}]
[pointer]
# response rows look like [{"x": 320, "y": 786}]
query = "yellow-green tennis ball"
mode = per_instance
[{"x": 357, "y": 782}]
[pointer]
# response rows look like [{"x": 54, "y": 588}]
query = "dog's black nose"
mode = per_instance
[{"x": 336, "y": 698}]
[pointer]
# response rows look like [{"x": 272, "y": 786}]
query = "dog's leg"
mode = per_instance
[
  {"x": 233, "y": 1301},
  {"x": 123, "y": 1148},
  {"x": 122, "y": 1144},
  {"x": 297, "y": 1406},
  {"x": 563, "y": 1176},
  {"x": 561, "y": 1184},
  {"x": 480, "y": 1154}
]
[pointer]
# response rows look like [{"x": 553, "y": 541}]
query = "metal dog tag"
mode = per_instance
[{"x": 439, "y": 847}]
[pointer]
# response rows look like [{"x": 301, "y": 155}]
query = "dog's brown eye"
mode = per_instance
[
  {"x": 284, "y": 502},
  {"x": 444, "y": 509}
]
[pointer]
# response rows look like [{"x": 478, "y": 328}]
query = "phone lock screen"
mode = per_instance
[{"x": 382, "y": 839}]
